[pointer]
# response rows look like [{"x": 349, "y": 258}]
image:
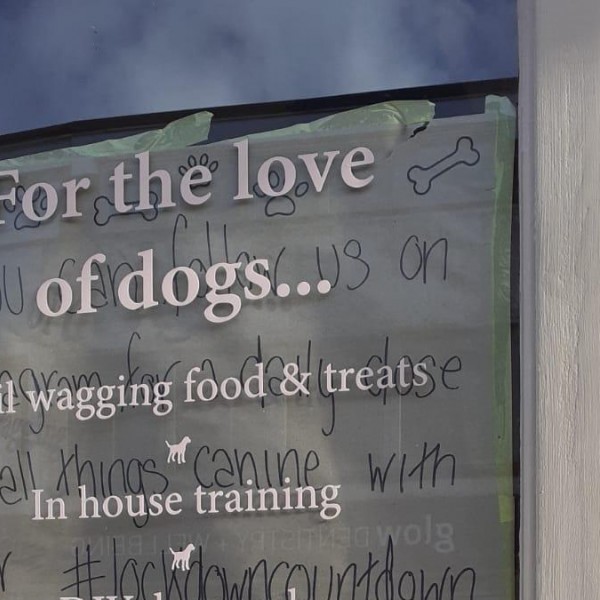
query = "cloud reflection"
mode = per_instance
[{"x": 67, "y": 60}]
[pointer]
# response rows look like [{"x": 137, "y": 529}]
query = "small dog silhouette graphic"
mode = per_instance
[
  {"x": 177, "y": 451},
  {"x": 181, "y": 559}
]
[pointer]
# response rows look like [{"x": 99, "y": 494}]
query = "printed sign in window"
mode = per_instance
[{"x": 276, "y": 366}]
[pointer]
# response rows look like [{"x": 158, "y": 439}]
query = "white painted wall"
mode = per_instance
[{"x": 560, "y": 195}]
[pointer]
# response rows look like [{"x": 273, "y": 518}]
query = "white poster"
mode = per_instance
[{"x": 275, "y": 367}]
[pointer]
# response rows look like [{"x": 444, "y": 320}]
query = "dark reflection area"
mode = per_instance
[
  {"x": 235, "y": 121},
  {"x": 66, "y": 61},
  {"x": 515, "y": 347}
]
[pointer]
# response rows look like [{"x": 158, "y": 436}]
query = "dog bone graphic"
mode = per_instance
[
  {"x": 105, "y": 210},
  {"x": 465, "y": 153}
]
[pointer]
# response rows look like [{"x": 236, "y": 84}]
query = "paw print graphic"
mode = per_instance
[
  {"x": 39, "y": 204},
  {"x": 203, "y": 161},
  {"x": 283, "y": 206}
]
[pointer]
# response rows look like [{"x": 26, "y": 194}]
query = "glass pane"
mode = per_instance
[{"x": 67, "y": 61}]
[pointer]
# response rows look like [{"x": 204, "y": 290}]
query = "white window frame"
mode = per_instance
[{"x": 559, "y": 137}]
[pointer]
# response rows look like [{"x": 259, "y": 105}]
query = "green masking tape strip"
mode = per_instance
[
  {"x": 505, "y": 115},
  {"x": 177, "y": 134},
  {"x": 195, "y": 128},
  {"x": 401, "y": 113}
]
